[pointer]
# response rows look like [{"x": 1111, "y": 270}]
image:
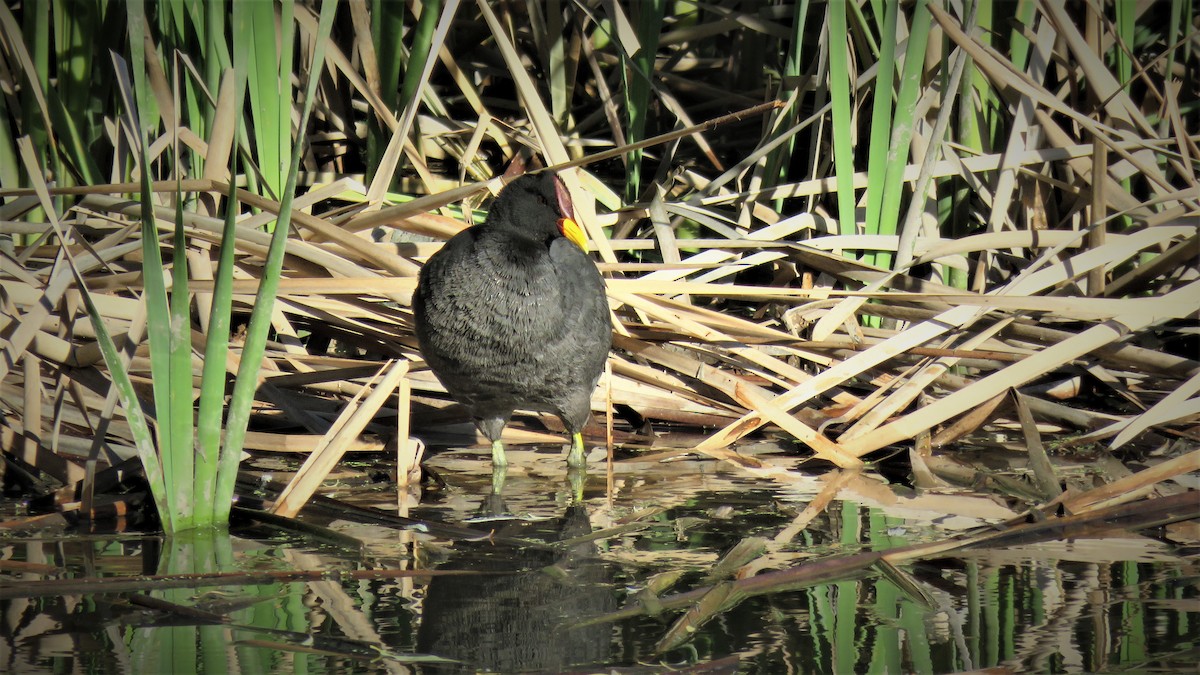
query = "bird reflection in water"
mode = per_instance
[{"x": 521, "y": 618}]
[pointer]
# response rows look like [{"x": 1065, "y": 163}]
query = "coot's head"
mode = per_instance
[{"x": 537, "y": 206}]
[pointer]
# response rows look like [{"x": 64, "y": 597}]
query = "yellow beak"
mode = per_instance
[{"x": 572, "y": 231}]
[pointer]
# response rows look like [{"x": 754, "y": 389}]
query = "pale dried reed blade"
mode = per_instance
[
  {"x": 408, "y": 450},
  {"x": 1177, "y": 404},
  {"x": 914, "y": 383},
  {"x": 349, "y": 425},
  {"x": 743, "y": 392},
  {"x": 1134, "y": 486},
  {"x": 1018, "y": 374}
]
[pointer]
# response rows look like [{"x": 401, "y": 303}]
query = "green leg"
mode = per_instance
[
  {"x": 499, "y": 467},
  {"x": 499, "y": 475},
  {"x": 575, "y": 458},
  {"x": 498, "y": 458},
  {"x": 577, "y": 478}
]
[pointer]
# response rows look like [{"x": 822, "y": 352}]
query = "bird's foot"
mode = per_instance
[{"x": 493, "y": 506}]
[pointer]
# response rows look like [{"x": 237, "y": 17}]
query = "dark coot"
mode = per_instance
[{"x": 511, "y": 313}]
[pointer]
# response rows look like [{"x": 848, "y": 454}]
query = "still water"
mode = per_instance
[{"x": 533, "y": 603}]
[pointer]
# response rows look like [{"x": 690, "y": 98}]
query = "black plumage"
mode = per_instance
[{"x": 511, "y": 313}]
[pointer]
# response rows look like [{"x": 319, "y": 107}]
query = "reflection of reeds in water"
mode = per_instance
[{"x": 520, "y": 618}]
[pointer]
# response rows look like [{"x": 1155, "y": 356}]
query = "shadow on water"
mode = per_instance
[{"x": 594, "y": 586}]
